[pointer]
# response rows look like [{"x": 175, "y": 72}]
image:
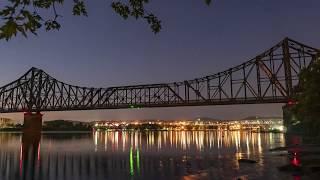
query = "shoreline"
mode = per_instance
[
  {"x": 140, "y": 130},
  {"x": 48, "y": 132}
]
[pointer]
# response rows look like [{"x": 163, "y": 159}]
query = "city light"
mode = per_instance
[{"x": 258, "y": 125}]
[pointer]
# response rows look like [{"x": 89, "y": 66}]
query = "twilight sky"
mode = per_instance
[{"x": 103, "y": 50}]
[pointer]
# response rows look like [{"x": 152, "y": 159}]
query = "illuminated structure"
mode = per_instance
[
  {"x": 5, "y": 122},
  {"x": 259, "y": 124}
]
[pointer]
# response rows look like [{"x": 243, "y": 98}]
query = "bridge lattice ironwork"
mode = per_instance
[{"x": 270, "y": 77}]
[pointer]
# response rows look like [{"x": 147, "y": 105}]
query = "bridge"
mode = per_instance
[{"x": 270, "y": 77}]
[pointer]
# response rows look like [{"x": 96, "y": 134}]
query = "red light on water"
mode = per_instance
[
  {"x": 20, "y": 160},
  {"x": 295, "y": 161},
  {"x": 39, "y": 153}
]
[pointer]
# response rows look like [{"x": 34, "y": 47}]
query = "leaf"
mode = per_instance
[
  {"x": 155, "y": 23},
  {"x": 21, "y": 29},
  {"x": 43, "y": 3},
  {"x": 7, "y": 11},
  {"x": 208, "y": 2},
  {"x": 121, "y": 9},
  {"x": 52, "y": 25},
  {"x": 8, "y": 30},
  {"x": 79, "y": 9}
]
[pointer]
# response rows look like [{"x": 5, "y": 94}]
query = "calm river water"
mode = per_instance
[{"x": 141, "y": 155}]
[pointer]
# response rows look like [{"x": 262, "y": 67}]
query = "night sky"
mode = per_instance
[{"x": 104, "y": 50}]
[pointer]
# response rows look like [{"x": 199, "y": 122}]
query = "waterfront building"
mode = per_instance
[{"x": 5, "y": 122}]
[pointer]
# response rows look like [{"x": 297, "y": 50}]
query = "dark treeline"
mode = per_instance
[
  {"x": 306, "y": 118},
  {"x": 63, "y": 125},
  {"x": 56, "y": 125}
]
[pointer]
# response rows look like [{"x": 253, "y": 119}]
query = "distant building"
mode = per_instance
[
  {"x": 255, "y": 123},
  {"x": 5, "y": 122}
]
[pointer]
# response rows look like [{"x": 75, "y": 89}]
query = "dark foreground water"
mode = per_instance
[{"x": 141, "y": 155}]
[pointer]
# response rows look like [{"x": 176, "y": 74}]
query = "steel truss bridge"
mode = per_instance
[{"x": 270, "y": 77}]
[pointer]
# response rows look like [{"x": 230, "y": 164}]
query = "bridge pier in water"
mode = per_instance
[
  {"x": 30, "y": 147},
  {"x": 32, "y": 123}
]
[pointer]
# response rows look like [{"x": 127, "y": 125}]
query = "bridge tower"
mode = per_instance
[{"x": 287, "y": 67}]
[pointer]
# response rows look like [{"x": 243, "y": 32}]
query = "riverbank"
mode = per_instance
[
  {"x": 304, "y": 159},
  {"x": 55, "y": 125},
  {"x": 49, "y": 132},
  {"x": 144, "y": 129},
  {"x": 10, "y": 129}
]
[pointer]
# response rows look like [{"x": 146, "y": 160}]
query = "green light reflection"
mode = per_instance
[
  {"x": 131, "y": 163},
  {"x": 138, "y": 160}
]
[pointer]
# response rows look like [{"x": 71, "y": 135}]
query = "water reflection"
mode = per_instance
[
  {"x": 138, "y": 155},
  {"x": 245, "y": 142}
]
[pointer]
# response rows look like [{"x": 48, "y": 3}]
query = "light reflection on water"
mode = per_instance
[{"x": 140, "y": 155}]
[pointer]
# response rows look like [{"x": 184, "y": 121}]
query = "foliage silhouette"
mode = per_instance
[
  {"x": 308, "y": 106},
  {"x": 27, "y": 16}
]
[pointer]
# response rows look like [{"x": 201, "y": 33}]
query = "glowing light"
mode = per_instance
[
  {"x": 291, "y": 102},
  {"x": 132, "y": 106},
  {"x": 96, "y": 141},
  {"x": 21, "y": 158},
  {"x": 259, "y": 143},
  {"x": 39, "y": 154},
  {"x": 138, "y": 160},
  {"x": 131, "y": 162},
  {"x": 295, "y": 161},
  {"x": 105, "y": 141},
  {"x": 280, "y": 128}
]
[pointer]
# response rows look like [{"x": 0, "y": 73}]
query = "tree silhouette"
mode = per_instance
[
  {"x": 27, "y": 16},
  {"x": 308, "y": 106}
]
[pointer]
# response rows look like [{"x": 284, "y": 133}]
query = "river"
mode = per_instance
[{"x": 141, "y": 155}]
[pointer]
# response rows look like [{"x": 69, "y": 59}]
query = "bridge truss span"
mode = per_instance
[{"x": 270, "y": 77}]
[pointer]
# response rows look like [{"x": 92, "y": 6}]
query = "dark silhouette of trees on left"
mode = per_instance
[{"x": 28, "y": 16}]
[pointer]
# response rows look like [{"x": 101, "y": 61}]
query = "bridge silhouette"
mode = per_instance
[{"x": 270, "y": 77}]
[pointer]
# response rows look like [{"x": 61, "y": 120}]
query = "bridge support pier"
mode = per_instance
[
  {"x": 32, "y": 123},
  {"x": 30, "y": 149}
]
